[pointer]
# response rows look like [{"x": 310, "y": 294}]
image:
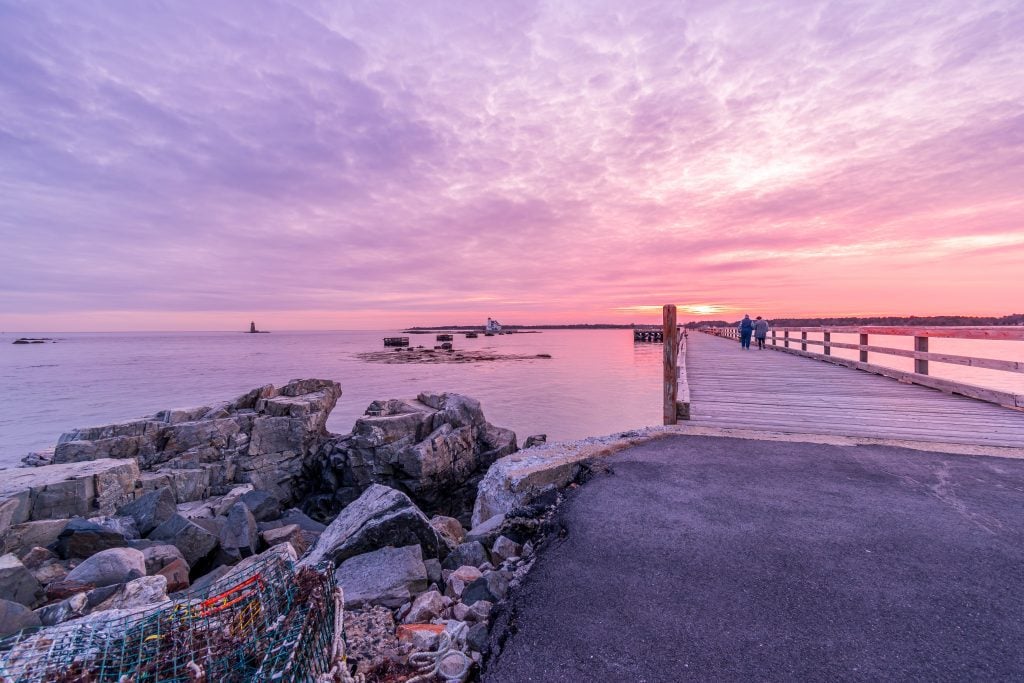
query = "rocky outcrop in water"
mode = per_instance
[{"x": 436, "y": 448}]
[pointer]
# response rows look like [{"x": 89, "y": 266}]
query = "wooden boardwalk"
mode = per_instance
[{"x": 773, "y": 391}]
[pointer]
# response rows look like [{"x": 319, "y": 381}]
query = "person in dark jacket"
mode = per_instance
[
  {"x": 760, "y": 332},
  {"x": 746, "y": 329}
]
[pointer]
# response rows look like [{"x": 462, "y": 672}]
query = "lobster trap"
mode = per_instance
[{"x": 263, "y": 622}]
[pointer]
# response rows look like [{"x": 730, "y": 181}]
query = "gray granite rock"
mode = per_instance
[
  {"x": 17, "y": 583},
  {"x": 472, "y": 553},
  {"x": 491, "y": 587},
  {"x": 388, "y": 577},
  {"x": 108, "y": 567},
  {"x": 15, "y": 616},
  {"x": 150, "y": 510},
  {"x": 380, "y": 517},
  {"x": 82, "y": 538},
  {"x": 239, "y": 535},
  {"x": 196, "y": 544},
  {"x": 160, "y": 555},
  {"x": 425, "y": 607}
]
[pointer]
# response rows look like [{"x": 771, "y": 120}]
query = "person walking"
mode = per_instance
[
  {"x": 746, "y": 328},
  {"x": 760, "y": 332}
]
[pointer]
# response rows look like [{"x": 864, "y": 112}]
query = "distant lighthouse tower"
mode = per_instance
[{"x": 252, "y": 327}]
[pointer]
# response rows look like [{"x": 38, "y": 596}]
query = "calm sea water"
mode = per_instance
[{"x": 597, "y": 381}]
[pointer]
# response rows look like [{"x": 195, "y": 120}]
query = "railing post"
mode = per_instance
[
  {"x": 670, "y": 334},
  {"x": 863, "y": 352},
  {"x": 828, "y": 338},
  {"x": 803, "y": 341},
  {"x": 921, "y": 364},
  {"x": 773, "y": 337},
  {"x": 786, "y": 338}
]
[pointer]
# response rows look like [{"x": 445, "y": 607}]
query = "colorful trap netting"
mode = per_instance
[{"x": 264, "y": 622}]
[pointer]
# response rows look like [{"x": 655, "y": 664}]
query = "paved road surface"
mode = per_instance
[{"x": 704, "y": 558}]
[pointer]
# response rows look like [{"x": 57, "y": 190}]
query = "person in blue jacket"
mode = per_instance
[{"x": 746, "y": 329}]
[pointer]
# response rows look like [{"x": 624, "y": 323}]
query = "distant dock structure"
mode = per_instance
[
  {"x": 653, "y": 336},
  {"x": 396, "y": 341}
]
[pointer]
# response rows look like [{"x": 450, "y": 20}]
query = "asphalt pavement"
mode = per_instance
[{"x": 721, "y": 559}]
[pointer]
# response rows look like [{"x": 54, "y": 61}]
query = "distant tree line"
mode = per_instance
[{"x": 903, "y": 321}]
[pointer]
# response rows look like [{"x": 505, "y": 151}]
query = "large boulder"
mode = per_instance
[
  {"x": 83, "y": 538},
  {"x": 389, "y": 577},
  {"x": 159, "y": 555},
  {"x": 67, "y": 490},
  {"x": 150, "y": 510},
  {"x": 17, "y": 583},
  {"x": 15, "y": 616},
  {"x": 21, "y": 538},
  {"x": 517, "y": 479},
  {"x": 197, "y": 545},
  {"x": 380, "y": 517},
  {"x": 436, "y": 447},
  {"x": 239, "y": 535},
  {"x": 145, "y": 591},
  {"x": 264, "y": 438},
  {"x": 117, "y": 565}
]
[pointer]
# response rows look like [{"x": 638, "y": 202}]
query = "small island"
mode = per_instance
[
  {"x": 253, "y": 330},
  {"x": 33, "y": 340}
]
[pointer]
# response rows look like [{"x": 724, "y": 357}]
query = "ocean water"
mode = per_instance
[{"x": 596, "y": 382}]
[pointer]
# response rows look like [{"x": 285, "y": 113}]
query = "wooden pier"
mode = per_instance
[
  {"x": 396, "y": 341},
  {"x": 782, "y": 389}
]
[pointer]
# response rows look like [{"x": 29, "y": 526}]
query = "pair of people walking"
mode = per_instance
[{"x": 756, "y": 328}]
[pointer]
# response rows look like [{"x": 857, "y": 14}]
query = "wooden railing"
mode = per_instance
[{"x": 788, "y": 338}]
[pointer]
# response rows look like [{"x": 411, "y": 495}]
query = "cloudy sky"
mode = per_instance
[{"x": 194, "y": 165}]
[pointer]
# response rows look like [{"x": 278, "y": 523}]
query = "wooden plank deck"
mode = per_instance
[{"x": 779, "y": 392}]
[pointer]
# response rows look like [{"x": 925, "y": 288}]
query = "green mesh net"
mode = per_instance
[{"x": 265, "y": 621}]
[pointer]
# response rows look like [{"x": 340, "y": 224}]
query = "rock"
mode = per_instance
[
  {"x": 21, "y": 538},
  {"x": 479, "y": 611},
  {"x": 517, "y": 479},
  {"x": 50, "y": 572},
  {"x": 420, "y": 637},
  {"x": 535, "y": 440},
  {"x": 434, "y": 575},
  {"x": 504, "y": 549},
  {"x": 151, "y": 510},
  {"x": 380, "y": 517},
  {"x": 239, "y": 535},
  {"x": 435, "y": 447},
  {"x": 300, "y": 540},
  {"x": 119, "y": 525},
  {"x": 230, "y": 498},
  {"x": 264, "y": 506},
  {"x": 69, "y": 608},
  {"x": 426, "y": 606},
  {"x": 15, "y": 616},
  {"x": 488, "y": 531},
  {"x": 449, "y": 529},
  {"x": 294, "y": 516},
  {"x": 472, "y": 553},
  {"x": 17, "y": 583},
  {"x": 159, "y": 556},
  {"x": 59, "y": 590},
  {"x": 146, "y": 591},
  {"x": 66, "y": 490},
  {"x": 388, "y": 577},
  {"x": 176, "y": 575},
  {"x": 476, "y": 638},
  {"x": 82, "y": 538},
  {"x": 35, "y": 558},
  {"x": 116, "y": 565},
  {"x": 458, "y": 580},
  {"x": 492, "y": 587},
  {"x": 197, "y": 545}
]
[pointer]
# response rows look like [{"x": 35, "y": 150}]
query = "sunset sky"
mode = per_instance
[{"x": 196, "y": 165}]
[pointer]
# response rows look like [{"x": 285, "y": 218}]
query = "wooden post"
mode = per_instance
[
  {"x": 786, "y": 338},
  {"x": 828, "y": 338},
  {"x": 670, "y": 333},
  {"x": 863, "y": 352},
  {"x": 803, "y": 341},
  {"x": 773, "y": 337},
  {"x": 921, "y": 364}
]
